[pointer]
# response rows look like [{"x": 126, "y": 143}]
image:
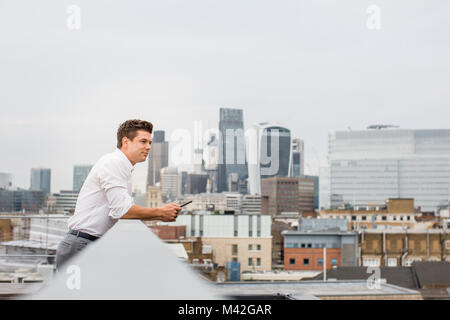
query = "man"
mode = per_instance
[{"x": 105, "y": 196}]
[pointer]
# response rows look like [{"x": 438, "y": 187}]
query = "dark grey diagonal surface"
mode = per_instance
[{"x": 129, "y": 262}]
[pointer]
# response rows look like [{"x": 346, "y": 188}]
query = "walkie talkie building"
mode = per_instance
[{"x": 269, "y": 154}]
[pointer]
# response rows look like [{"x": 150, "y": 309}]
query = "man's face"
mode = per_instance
[{"x": 137, "y": 149}]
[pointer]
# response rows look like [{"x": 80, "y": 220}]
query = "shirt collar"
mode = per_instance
[{"x": 124, "y": 158}]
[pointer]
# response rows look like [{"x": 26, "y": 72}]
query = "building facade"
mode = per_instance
[
  {"x": 21, "y": 200},
  {"x": 170, "y": 183},
  {"x": 297, "y": 168},
  {"x": 394, "y": 213},
  {"x": 394, "y": 247},
  {"x": 5, "y": 180},
  {"x": 80, "y": 173},
  {"x": 40, "y": 180},
  {"x": 66, "y": 200},
  {"x": 154, "y": 197},
  {"x": 251, "y": 204},
  {"x": 269, "y": 154},
  {"x": 158, "y": 158},
  {"x": 232, "y": 155},
  {"x": 306, "y": 189},
  {"x": 312, "y": 249},
  {"x": 234, "y": 238},
  {"x": 279, "y": 195},
  {"x": 196, "y": 183},
  {"x": 380, "y": 163}
]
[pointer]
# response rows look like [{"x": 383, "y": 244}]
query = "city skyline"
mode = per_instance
[{"x": 314, "y": 68}]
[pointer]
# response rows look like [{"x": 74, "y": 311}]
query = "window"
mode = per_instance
[
  {"x": 295, "y": 245},
  {"x": 401, "y": 218},
  {"x": 384, "y": 218},
  {"x": 306, "y": 262},
  {"x": 303, "y": 245},
  {"x": 258, "y": 247},
  {"x": 234, "y": 249},
  {"x": 250, "y": 261},
  {"x": 309, "y": 245},
  {"x": 395, "y": 218},
  {"x": 353, "y": 218},
  {"x": 289, "y": 245},
  {"x": 392, "y": 262},
  {"x": 235, "y": 233},
  {"x": 408, "y": 218},
  {"x": 250, "y": 247},
  {"x": 292, "y": 261},
  {"x": 250, "y": 233},
  {"x": 258, "y": 262},
  {"x": 334, "y": 262},
  {"x": 320, "y": 262},
  {"x": 364, "y": 218},
  {"x": 371, "y": 262},
  {"x": 234, "y": 259}
]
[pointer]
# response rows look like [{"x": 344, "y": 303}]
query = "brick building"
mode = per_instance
[
  {"x": 394, "y": 213},
  {"x": 279, "y": 194},
  {"x": 392, "y": 247},
  {"x": 307, "y": 189},
  {"x": 305, "y": 250}
]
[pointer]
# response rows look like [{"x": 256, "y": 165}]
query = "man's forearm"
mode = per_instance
[{"x": 142, "y": 213}]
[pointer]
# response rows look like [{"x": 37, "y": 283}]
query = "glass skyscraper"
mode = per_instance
[
  {"x": 232, "y": 156},
  {"x": 269, "y": 154},
  {"x": 298, "y": 156},
  {"x": 40, "y": 180},
  {"x": 158, "y": 157},
  {"x": 374, "y": 165},
  {"x": 80, "y": 173}
]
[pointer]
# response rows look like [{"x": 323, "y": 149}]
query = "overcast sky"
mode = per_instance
[{"x": 313, "y": 66}]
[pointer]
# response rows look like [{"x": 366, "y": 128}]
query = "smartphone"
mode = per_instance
[{"x": 184, "y": 204}]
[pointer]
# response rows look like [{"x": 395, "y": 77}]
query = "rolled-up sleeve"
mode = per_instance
[{"x": 113, "y": 180}]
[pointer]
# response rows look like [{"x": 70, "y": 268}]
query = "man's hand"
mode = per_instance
[{"x": 169, "y": 212}]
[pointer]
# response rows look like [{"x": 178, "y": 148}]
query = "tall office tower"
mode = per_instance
[
  {"x": 269, "y": 154},
  {"x": 196, "y": 183},
  {"x": 158, "y": 158},
  {"x": 306, "y": 188},
  {"x": 211, "y": 162},
  {"x": 40, "y": 180},
  {"x": 297, "y": 167},
  {"x": 316, "y": 189},
  {"x": 232, "y": 155},
  {"x": 170, "y": 183},
  {"x": 5, "y": 180},
  {"x": 385, "y": 162},
  {"x": 183, "y": 178},
  {"x": 80, "y": 173}
]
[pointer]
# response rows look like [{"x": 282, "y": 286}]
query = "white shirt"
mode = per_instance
[{"x": 105, "y": 195}]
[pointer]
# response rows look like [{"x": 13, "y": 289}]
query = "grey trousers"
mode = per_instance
[{"x": 68, "y": 248}]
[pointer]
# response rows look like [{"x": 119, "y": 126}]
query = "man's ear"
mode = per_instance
[{"x": 124, "y": 140}]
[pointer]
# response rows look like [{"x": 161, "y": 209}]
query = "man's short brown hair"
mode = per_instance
[{"x": 129, "y": 129}]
